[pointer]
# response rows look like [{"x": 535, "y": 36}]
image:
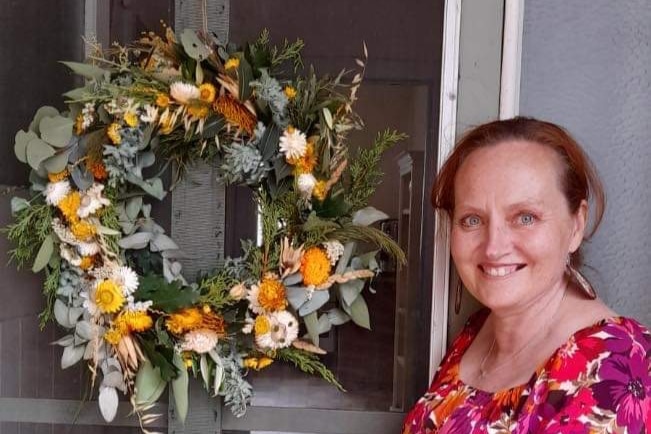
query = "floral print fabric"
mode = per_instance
[{"x": 599, "y": 381}]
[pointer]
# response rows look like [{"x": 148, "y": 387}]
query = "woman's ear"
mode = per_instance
[{"x": 580, "y": 219}]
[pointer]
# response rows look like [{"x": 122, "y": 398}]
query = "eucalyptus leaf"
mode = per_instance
[
  {"x": 84, "y": 330},
  {"x": 133, "y": 207},
  {"x": 82, "y": 178},
  {"x": 56, "y": 130},
  {"x": 108, "y": 402},
  {"x": 149, "y": 384},
  {"x": 20, "y": 144},
  {"x": 180, "y": 388},
  {"x": 72, "y": 355},
  {"x": 139, "y": 240},
  {"x": 324, "y": 324},
  {"x": 57, "y": 162},
  {"x": 18, "y": 204},
  {"x": 44, "y": 253},
  {"x": 76, "y": 94},
  {"x": 37, "y": 151},
  {"x": 107, "y": 231},
  {"x": 268, "y": 144},
  {"x": 296, "y": 295},
  {"x": 337, "y": 316},
  {"x": 312, "y": 326},
  {"x": 319, "y": 298},
  {"x": 38, "y": 182},
  {"x": 61, "y": 313},
  {"x": 342, "y": 264},
  {"x": 193, "y": 46},
  {"x": 113, "y": 379},
  {"x": 367, "y": 216},
  {"x": 42, "y": 112},
  {"x": 85, "y": 70},
  {"x": 161, "y": 242},
  {"x": 293, "y": 279},
  {"x": 350, "y": 290},
  {"x": 367, "y": 261},
  {"x": 73, "y": 315},
  {"x": 64, "y": 341},
  {"x": 153, "y": 187},
  {"x": 146, "y": 159},
  {"x": 358, "y": 312}
]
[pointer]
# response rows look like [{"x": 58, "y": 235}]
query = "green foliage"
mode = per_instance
[
  {"x": 237, "y": 392},
  {"x": 161, "y": 357},
  {"x": 50, "y": 287},
  {"x": 275, "y": 56},
  {"x": 365, "y": 174},
  {"x": 166, "y": 296},
  {"x": 308, "y": 363},
  {"x": 214, "y": 290},
  {"x": 31, "y": 226},
  {"x": 371, "y": 235}
]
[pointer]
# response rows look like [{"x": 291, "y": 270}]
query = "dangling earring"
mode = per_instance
[
  {"x": 458, "y": 293},
  {"x": 580, "y": 280}
]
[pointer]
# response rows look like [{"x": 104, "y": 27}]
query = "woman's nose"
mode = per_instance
[{"x": 497, "y": 241}]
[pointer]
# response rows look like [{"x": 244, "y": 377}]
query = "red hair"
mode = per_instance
[{"x": 579, "y": 180}]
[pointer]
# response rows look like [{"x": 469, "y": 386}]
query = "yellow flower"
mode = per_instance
[
  {"x": 113, "y": 336},
  {"x": 272, "y": 295},
  {"x": 69, "y": 206},
  {"x": 137, "y": 321},
  {"x": 306, "y": 163},
  {"x": 261, "y": 325},
  {"x": 59, "y": 176},
  {"x": 207, "y": 93},
  {"x": 113, "y": 133},
  {"x": 108, "y": 296},
  {"x": 290, "y": 92},
  {"x": 184, "y": 320},
  {"x": 320, "y": 190},
  {"x": 79, "y": 124},
  {"x": 257, "y": 364},
  {"x": 162, "y": 100},
  {"x": 83, "y": 230},
  {"x": 198, "y": 110},
  {"x": 188, "y": 363},
  {"x": 235, "y": 113},
  {"x": 315, "y": 266},
  {"x": 212, "y": 321},
  {"x": 131, "y": 119},
  {"x": 232, "y": 63},
  {"x": 86, "y": 262}
]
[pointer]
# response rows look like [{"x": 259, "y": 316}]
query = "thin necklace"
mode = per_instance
[{"x": 483, "y": 371}]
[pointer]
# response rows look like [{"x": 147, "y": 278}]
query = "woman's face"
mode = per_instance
[{"x": 512, "y": 229}]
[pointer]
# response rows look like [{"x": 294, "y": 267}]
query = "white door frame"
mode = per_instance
[{"x": 480, "y": 81}]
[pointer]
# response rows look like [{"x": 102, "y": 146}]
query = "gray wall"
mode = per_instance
[{"x": 586, "y": 65}]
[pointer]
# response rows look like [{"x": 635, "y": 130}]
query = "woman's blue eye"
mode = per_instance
[
  {"x": 527, "y": 219},
  {"x": 470, "y": 221}
]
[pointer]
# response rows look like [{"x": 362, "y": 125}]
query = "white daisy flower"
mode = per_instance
[
  {"x": 150, "y": 114},
  {"x": 237, "y": 292},
  {"x": 334, "y": 250},
  {"x": 89, "y": 300},
  {"x": 69, "y": 254},
  {"x": 305, "y": 183},
  {"x": 200, "y": 341},
  {"x": 88, "y": 249},
  {"x": 249, "y": 323},
  {"x": 184, "y": 92},
  {"x": 138, "y": 306},
  {"x": 293, "y": 143},
  {"x": 127, "y": 278},
  {"x": 56, "y": 191},
  {"x": 252, "y": 297},
  {"x": 283, "y": 331},
  {"x": 92, "y": 200}
]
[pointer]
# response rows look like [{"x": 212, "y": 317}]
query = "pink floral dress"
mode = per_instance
[{"x": 599, "y": 381}]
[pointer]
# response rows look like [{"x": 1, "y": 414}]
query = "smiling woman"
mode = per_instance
[{"x": 546, "y": 355}]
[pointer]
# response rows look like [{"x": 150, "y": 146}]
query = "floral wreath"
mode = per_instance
[{"x": 112, "y": 279}]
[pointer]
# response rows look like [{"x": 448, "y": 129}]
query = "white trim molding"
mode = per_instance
[
  {"x": 446, "y": 139},
  {"x": 511, "y": 58}
]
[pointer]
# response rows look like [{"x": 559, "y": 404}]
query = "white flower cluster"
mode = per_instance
[
  {"x": 150, "y": 114},
  {"x": 184, "y": 92},
  {"x": 88, "y": 115},
  {"x": 305, "y": 184},
  {"x": 56, "y": 191},
  {"x": 200, "y": 341},
  {"x": 334, "y": 250},
  {"x": 293, "y": 143},
  {"x": 282, "y": 332},
  {"x": 92, "y": 200}
]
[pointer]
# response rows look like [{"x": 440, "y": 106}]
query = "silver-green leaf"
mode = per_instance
[
  {"x": 56, "y": 130},
  {"x": 44, "y": 253}
]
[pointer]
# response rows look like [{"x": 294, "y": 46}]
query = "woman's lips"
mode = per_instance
[{"x": 501, "y": 270}]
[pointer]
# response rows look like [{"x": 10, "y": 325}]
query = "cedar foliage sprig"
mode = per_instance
[
  {"x": 365, "y": 173},
  {"x": 31, "y": 225},
  {"x": 308, "y": 363}
]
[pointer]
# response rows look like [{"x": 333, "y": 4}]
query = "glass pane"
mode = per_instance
[{"x": 384, "y": 369}]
